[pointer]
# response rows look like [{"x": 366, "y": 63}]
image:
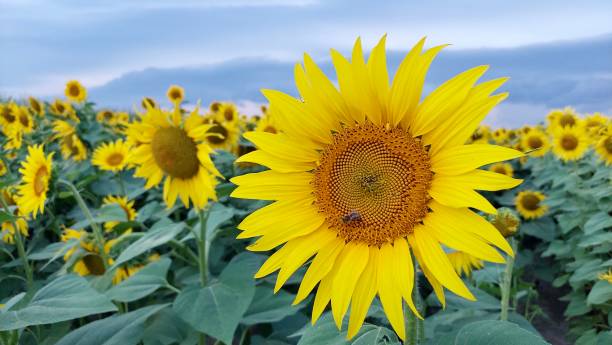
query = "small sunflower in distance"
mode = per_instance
[
  {"x": 36, "y": 106},
  {"x": 603, "y": 147},
  {"x": 174, "y": 148},
  {"x": 75, "y": 91},
  {"x": 502, "y": 168},
  {"x": 606, "y": 276},
  {"x": 570, "y": 143},
  {"x": 535, "y": 142},
  {"x": 529, "y": 204},
  {"x": 148, "y": 102},
  {"x": 175, "y": 94},
  {"x": 36, "y": 172},
  {"x": 561, "y": 118},
  {"x": 111, "y": 156},
  {"x": 364, "y": 175},
  {"x": 105, "y": 116},
  {"x": 73, "y": 147},
  {"x": 126, "y": 205},
  {"x": 3, "y": 169},
  {"x": 464, "y": 263}
]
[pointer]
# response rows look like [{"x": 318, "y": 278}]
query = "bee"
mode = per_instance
[{"x": 353, "y": 216}]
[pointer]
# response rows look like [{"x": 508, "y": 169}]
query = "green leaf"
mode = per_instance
[
  {"x": 600, "y": 293},
  {"x": 598, "y": 221},
  {"x": 542, "y": 228},
  {"x": 269, "y": 307},
  {"x": 373, "y": 335},
  {"x": 143, "y": 283},
  {"x": 496, "y": 332},
  {"x": 6, "y": 217},
  {"x": 106, "y": 213},
  {"x": 65, "y": 298},
  {"x": 166, "y": 328},
  {"x": 121, "y": 329},
  {"x": 217, "y": 309},
  {"x": 217, "y": 215},
  {"x": 160, "y": 233},
  {"x": 326, "y": 332}
]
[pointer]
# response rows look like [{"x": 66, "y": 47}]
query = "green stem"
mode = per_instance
[
  {"x": 202, "y": 256},
  {"x": 415, "y": 332},
  {"x": 20, "y": 248},
  {"x": 98, "y": 235},
  {"x": 121, "y": 184},
  {"x": 506, "y": 284}
]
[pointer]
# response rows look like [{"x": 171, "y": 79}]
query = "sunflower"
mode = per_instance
[
  {"x": 175, "y": 94},
  {"x": 125, "y": 204},
  {"x": 215, "y": 107},
  {"x": 482, "y": 135},
  {"x": 36, "y": 106},
  {"x": 62, "y": 129},
  {"x": 561, "y": 118},
  {"x": 105, "y": 116},
  {"x": 36, "y": 172},
  {"x": 111, "y": 156},
  {"x": 61, "y": 108},
  {"x": 73, "y": 147},
  {"x": 8, "y": 228},
  {"x": 595, "y": 122},
  {"x": 464, "y": 263},
  {"x": 89, "y": 262},
  {"x": 25, "y": 122},
  {"x": 266, "y": 124},
  {"x": 607, "y": 276},
  {"x": 500, "y": 136},
  {"x": 148, "y": 102},
  {"x": 364, "y": 175},
  {"x": 502, "y": 168},
  {"x": 14, "y": 138},
  {"x": 175, "y": 148},
  {"x": 603, "y": 147},
  {"x": 227, "y": 113},
  {"x": 75, "y": 91},
  {"x": 506, "y": 221},
  {"x": 3, "y": 169},
  {"x": 570, "y": 143},
  {"x": 529, "y": 204},
  {"x": 535, "y": 142},
  {"x": 223, "y": 135},
  {"x": 7, "y": 116}
]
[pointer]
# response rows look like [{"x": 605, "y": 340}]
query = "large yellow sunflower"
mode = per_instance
[
  {"x": 75, "y": 91},
  {"x": 364, "y": 175},
  {"x": 111, "y": 156},
  {"x": 125, "y": 204},
  {"x": 535, "y": 142},
  {"x": 175, "y": 149},
  {"x": 36, "y": 172},
  {"x": 529, "y": 204},
  {"x": 603, "y": 147},
  {"x": 570, "y": 143},
  {"x": 464, "y": 263}
]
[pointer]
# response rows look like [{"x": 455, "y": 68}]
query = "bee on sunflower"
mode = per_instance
[
  {"x": 536, "y": 142},
  {"x": 36, "y": 173},
  {"x": 529, "y": 204},
  {"x": 75, "y": 91},
  {"x": 174, "y": 148},
  {"x": 570, "y": 143},
  {"x": 111, "y": 156},
  {"x": 364, "y": 175}
]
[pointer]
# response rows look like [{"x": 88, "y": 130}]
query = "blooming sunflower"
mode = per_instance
[
  {"x": 175, "y": 94},
  {"x": 105, "y": 116},
  {"x": 223, "y": 135},
  {"x": 111, "y": 156},
  {"x": 175, "y": 148},
  {"x": 75, "y": 91},
  {"x": 25, "y": 121},
  {"x": 595, "y": 122},
  {"x": 482, "y": 135},
  {"x": 7, "y": 116},
  {"x": 73, "y": 147},
  {"x": 502, "y": 168},
  {"x": 7, "y": 228},
  {"x": 227, "y": 113},
  {"x": 363, "y": 175},
  {"x": 500, "y": 136},
  {"x": 36, "y": 106},
  {"x": 536, "y": 142},
  {"x": 14, "y": 139},
  {"x": 89, "y": 262},
  {"x": 148, "y": 102},
  {"x": 125, "y": 204},
  {"x": 61, "y": 108},
  {"x": 464, "y": 263},
  {"x": 570, "y": 143},
  {"x": 604, "y": 146},
  {"x": 36, "y": 172},
  {"x": 529, "y": 204},
  {"x": 266, "y": 124},
  {"x": 3, "y": 168},
  {"x": 561, "y": 118}
]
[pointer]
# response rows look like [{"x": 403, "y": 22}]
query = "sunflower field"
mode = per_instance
[{"x": 363, "y": 212}]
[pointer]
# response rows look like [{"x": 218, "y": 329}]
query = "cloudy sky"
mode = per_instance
[{"x": 557, "y": 53}]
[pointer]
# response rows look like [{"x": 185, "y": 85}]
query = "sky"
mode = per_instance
[{"x": 557, "y": 53}]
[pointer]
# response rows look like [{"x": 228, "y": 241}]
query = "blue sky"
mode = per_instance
[{"x": 556, "y": 52}]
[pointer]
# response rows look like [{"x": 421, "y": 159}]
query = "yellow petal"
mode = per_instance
[
  {"x": 364, "y": 293},
  {"x": 449, "y": 194},
  {"x": 379, "y": 78},
  {"x": 282, "y": 146},
  {"x": 277, "y": 216},
  {"x": 461, "y": 159},
  {"x": 435, "y": 284},
  {"x": 272, "y": 185},
  {"x": 437, "y": 262},
  {"x": 351, "y": 262},
  {"x": 274, "y": 162},
  {"x": 319, "y": 268},
  {"x": 348, "y": 87},
  {"x": 390, "y": 296},
  {"x": 480, "y": 180},
  {"x": 404, "y": 272},
  {"x": 316, "y": 107},
  {"x": 323, "y": 294}
]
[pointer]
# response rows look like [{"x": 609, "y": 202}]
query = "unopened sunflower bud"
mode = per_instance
[{"x": 506, "y": 222}]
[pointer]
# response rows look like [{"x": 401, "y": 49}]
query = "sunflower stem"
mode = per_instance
[
  {"x": 99, "y": 237},
  {"x": 20, "y": 248},
  {"x": 506, "y": 284},
  {"x": 121, "y": 184},
  {"x": 415, "y": 334},
  {"x": 202, "y": 256}
]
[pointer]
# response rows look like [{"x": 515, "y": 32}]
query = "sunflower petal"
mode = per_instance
[
  {"x": 453, "y": 195},
  {"x": 351, "y": 262},
  {"x": 364, "y": 293},
  {"x": 319, "y": 268},
  {"x": 390, "y": 296},
  {"x": 461, "y": 159}
]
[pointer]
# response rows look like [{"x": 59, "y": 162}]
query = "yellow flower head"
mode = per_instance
[
  {"x": 500, "y": 136},
  {"x": 227, "y": 113},
  {"x": 502, "y": 168},
  {"x": 535, "y": 142},
  {"x": 7, "y": 116},
  {"x": 603, "y": 147},
  {"x": 36, "y": 106},
  {"x": 607, "y": 276},
  {"x": 8, "y": 230},
  {"x": 75, "y": 91},
  {"x": 125, "y": 204},
  {"x": 175, "y": 94},
  {"x": 570, "y": 143},
  {"x": 62, "y": 129},
  {"x": 561, "y": 118},
  {"x": 267, "y": 124},
  {"x": 14, "y": 139},
  {"x": 105, "y": 116},
  {"x": 174, "y": 148},
  {"x": 148, "y": 102},
  {"x": 61, "y": 108},
  {"x": 594, "y": 123},
  {"x": 464, "y": 263},
  {"x": 35, "y": 172},
  {"x": 73, "y": 147},
  {"x": 482, "y": 135},
  {"x": 111, "y": 156},
  {"x": 529, "y": 204},
  {"x": 215, "y": 107},
  {"x": 223, "y": 135},
  {"x": 24, "y": 122},
  {"x": 90, "y": 261},
  {"x": 3, "y": 168},
  {"x": 364, "y": 174}
]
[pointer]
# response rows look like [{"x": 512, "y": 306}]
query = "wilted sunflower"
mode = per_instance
[
  {"x": 570, "y": 143},
  {"x": 175, "y": 94},
  {"x": 35, "y": 172},
  {"x": 75, "y": 91},
  {"x": 36, "y": 106},
  {"x": 604, "y": 146},
  {"x": 529, "y": 204},
  {"x": 126, "y": 205},
  {"x": 363, "y": 175},
  {"x": 111, "y": 156},
  {"x": 464, "y": 263},
  {"x": 536, "y": 142},
  {"x": 176, "y": 149},
  {"x": 502, "y": 168}
]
